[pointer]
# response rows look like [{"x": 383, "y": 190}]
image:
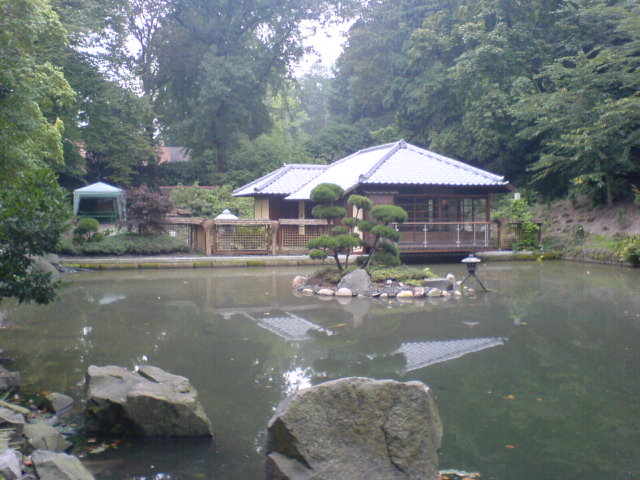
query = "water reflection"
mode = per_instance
[{"x": 561, "y": 390}]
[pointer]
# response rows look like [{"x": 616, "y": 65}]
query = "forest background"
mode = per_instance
[{"x": 544, "y": 92}]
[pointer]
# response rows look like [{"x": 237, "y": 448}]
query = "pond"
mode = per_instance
[{"x": 536, "y": 379}]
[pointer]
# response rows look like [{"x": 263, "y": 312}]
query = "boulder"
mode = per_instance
[
  {"x": 344, "y": 292},
  {"x": 434, "y": 292},
  {"x": 439, "y": 283},
  {"x": 418, "y": 292},
  {"x": 9, "y": 379},
  {"x": 59, "y": 466},
  {"x": 56, "y": 402},
  {"x": 405, "y": 294},
  {"x": 150, "y": 402},
  {"x": 356, "y": 281},
  {"x": 45, "y": 437},
  {"x": 355, "y": 429},
  {"x": 10, "y": 464},
  {"x": 297, "y": 281}
]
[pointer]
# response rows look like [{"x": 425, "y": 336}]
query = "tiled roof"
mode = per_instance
[
  {"x": 410, "y": 165},
  {"x": 284, "y": 181},
  {"x": 345, "y": 172},
  {"x": 398, "y": 164},
  {"x": 392, "y": 164}
]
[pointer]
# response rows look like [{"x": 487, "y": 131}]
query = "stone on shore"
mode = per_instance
[
  {"x": 13, "y": 420},
  {"x": 10, "y": 464},
  {"x": 150, "y": 403},
  {"x": 327, "y": 292},
  {"x": 55, "y": 402},
  {"x": 45, "y": 437},
  {"x": 405, "y": 294},
  {"x": 439, "y": 283},
  {"x": 297, "y": 281},
  {"x": 344, "y": 292},
  {"x": 356, "y": 281},
  {"x": 59, "y": 466},
  {"x": 355, "y": 429}
]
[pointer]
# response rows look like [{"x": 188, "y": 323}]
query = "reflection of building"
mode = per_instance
[
  {"x": 422, "y": 354},
  {"x": 287, "y": 325}
]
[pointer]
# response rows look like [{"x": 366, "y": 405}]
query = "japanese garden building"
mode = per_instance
[{"x": 448, "y": 201}]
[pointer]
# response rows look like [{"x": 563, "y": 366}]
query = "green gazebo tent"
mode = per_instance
[{"x": 100, "y": 201}]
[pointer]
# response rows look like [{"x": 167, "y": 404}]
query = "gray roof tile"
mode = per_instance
[{"x": 284, "y": 181}]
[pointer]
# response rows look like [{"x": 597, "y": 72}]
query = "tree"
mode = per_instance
[
  {"x": 33, "y": 215},
  {"x": 586, "y": 112},
  {"x": 32, "y": 89},
  {"x": 383, "y": 251},
  {"x": 341, "y": 240},
  {"x": 216, "y": 67},
  {"x": 145, "y": 209}
]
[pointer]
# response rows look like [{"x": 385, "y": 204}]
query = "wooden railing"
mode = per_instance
[{"x": 418, "y": 236}]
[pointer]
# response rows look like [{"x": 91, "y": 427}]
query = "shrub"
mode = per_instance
[
  {"x": 210, "y": 202},
  {"x": 127, "y": 243},
  {"x": 86, "y": 228},
  {"x": 630, "y": 250}
]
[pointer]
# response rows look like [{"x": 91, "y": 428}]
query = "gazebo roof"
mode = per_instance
[{"x": 99, "y": 188}]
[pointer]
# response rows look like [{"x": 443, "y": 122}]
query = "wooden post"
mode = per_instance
[{"x": 275, "y": 227}]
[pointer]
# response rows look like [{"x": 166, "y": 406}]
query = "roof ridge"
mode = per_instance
[
  {"x": 396, "y": 146},
  {"x": 359, "y": 152},
  {"x": 258, "y": 180},
  {"x": 455, "y": 163}
]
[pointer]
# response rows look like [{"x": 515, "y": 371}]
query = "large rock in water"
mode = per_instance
[
  {"x": 357, "y": 281},
  {"x": 150, "y": 402},
  {"x": 355, "y": 429}
]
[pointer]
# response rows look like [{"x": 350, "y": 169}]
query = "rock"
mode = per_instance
[
  {"x": 434, "y": 292},
  {"x": 151, "y": 402},
  {"x": 439, "y": 283},
  {"x": 418, "y": 292},
  {"x": 355, "y": 429},
  {"x": 446, "y": 293},
  {"x": 10, "y": 464},
  {"x": 45, "y": 437},
  {"x": 42, "y": 264},
  {"x": 344, "y": 292},
  {"x": 326, "y": 292},
  {"x": 451, "y": 278},
  {"x": 307, "y": 291},
  {"x": 56, "y": 402},
  {"x": 297, "y": 281},
  {"x": 356, "y": 281},
  {"x": 13, "y": 420},
  {"x": 9, "y": 379},
  {"x": 59, "y": 466},
  {"x": 405, "y": 294}
]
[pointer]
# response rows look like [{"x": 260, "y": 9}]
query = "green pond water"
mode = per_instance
[{"x": 537, "y": 379}]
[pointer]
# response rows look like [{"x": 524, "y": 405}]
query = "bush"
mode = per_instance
[
  {"x": 630, "y": 250},
  {"x": 128, "y": 243},
  {"x": 210, "y": 202},
  {"x": 86, "y": 228}
]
